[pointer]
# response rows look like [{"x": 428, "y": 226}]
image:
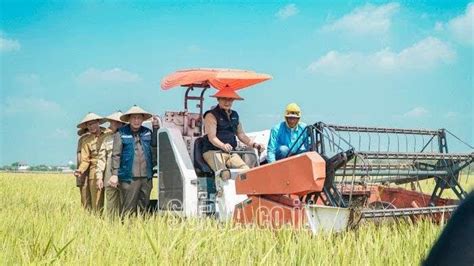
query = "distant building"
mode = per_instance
[{"x": 23, "y": 167}]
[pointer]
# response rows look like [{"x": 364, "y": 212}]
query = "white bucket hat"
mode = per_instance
[
  {"x": 135, "y": 110},
  {"x": 90, "y": 117}
]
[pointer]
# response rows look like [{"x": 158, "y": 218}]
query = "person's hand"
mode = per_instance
[
  {"x": 259, "y": 147},
  {"x": 77, "y": 173},
  {"x": 155, "y": 121},
  {"x": 100, "y": 184},
  {"x": 113, "y": 181},
  {"x": 227, "y": 148}
]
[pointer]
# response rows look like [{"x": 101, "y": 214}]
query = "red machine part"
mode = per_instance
[
  {"x": 403, "y": 198},
  {"x": 379, "y": 196},
  {"x": 396, "y": 196},
  {"x": 273, "y": 212},
  {"x": 297, "y": 175},
  {"x": 274, "y": 189}
]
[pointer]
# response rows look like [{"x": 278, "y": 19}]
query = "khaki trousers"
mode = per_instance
[
  {"x": 91, "y": 197},
  {"x": 135, "y": 195},
  {"x": 112, "y": 198},
  {"x": 218, "y": 160}
]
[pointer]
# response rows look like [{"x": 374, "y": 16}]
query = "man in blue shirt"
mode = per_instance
[{"x": 286, "y": 135}]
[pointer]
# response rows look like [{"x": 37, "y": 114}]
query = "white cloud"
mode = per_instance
[
  {"x": 366, "y": 20},
  {"x": 94, "y": 76},
  {"x": 427, "y": 53},
  {"x": 462, "y": 26},
  {"x": 416, "y": 112},
  {"x": 335, "y": 62},
  {"x": 287, "y": 11},
  {"x": 9, "y": 45},
  {"x": 31, "y": 106},
  {"x": 439, "y": 26}
]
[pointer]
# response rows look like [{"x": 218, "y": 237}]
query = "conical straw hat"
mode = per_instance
[
  {"x": 90, "y": 117},
  {"x": 115, "y": 117},
  {"x": 135, "y": 110},
  {"x": 227, "y": 93}
]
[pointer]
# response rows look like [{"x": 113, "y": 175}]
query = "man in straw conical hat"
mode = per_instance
[
  {"x": 104, "y": 165},
  {"x": 91, "y": 197},
  {"x": 133, "y": 160}
]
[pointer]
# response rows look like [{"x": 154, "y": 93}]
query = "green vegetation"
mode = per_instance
[{"x": 41, "y": 222}]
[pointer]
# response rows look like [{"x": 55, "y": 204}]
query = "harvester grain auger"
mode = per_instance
[{"x": 350, "y": 173}]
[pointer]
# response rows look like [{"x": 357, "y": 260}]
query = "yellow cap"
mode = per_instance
[{"x": 293, "y": 110}]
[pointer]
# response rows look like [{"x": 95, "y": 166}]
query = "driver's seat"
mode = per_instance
[{"x": 202, "y": 168}]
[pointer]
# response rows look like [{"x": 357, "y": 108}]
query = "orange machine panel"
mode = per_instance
[
  {"x": 298, "y": 175},
  {"x": 269, "y": 213}
]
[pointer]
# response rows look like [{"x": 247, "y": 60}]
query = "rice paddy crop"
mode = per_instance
[{"x": 41, "y": 222}]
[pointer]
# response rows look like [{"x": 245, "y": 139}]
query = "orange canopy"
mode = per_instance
[{"x": 233, "y": 79}]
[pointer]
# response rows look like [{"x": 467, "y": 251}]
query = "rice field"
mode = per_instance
[{"x": 41, "y": 222}]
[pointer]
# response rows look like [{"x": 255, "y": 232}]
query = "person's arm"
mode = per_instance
[
  {"x": 78, "y": 151},
  {"x": 101, "y": 160},
  {"x": 85, "y": 158},
  {"x": 243, "y": 137},
  {"x": 272, "y": 145},
  {"x": 210, "y": 124},
  {"x": 116, "y": 153}
]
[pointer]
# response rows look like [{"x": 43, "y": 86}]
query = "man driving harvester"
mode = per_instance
[{"x": 223, "y": 127}]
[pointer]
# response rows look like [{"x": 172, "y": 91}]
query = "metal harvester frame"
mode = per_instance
[{"x": 362, "y": 163}]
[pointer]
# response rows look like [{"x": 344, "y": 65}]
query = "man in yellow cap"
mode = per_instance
[
  {"x": 93, "y": 197},
  {"x": 104, "y": 167},
  {"x": 132, "y": 160},
  {"x": 285, "y": 136},
  {"x": 223, "y": 127}
]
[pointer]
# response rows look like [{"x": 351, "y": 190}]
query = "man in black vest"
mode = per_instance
[{"x": 223, "y": 127}]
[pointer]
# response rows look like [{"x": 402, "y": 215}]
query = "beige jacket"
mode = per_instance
[
  {"x": 104, "y": 168},
  {"x": 90, "y": 152},
  {"x": 79, "y": 147}
]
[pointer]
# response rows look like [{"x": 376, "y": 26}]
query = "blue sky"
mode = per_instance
[{"x": 395, "y": 64}]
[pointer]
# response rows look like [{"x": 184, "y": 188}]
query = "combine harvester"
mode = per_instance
[{"x": 351, "y": 173}]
